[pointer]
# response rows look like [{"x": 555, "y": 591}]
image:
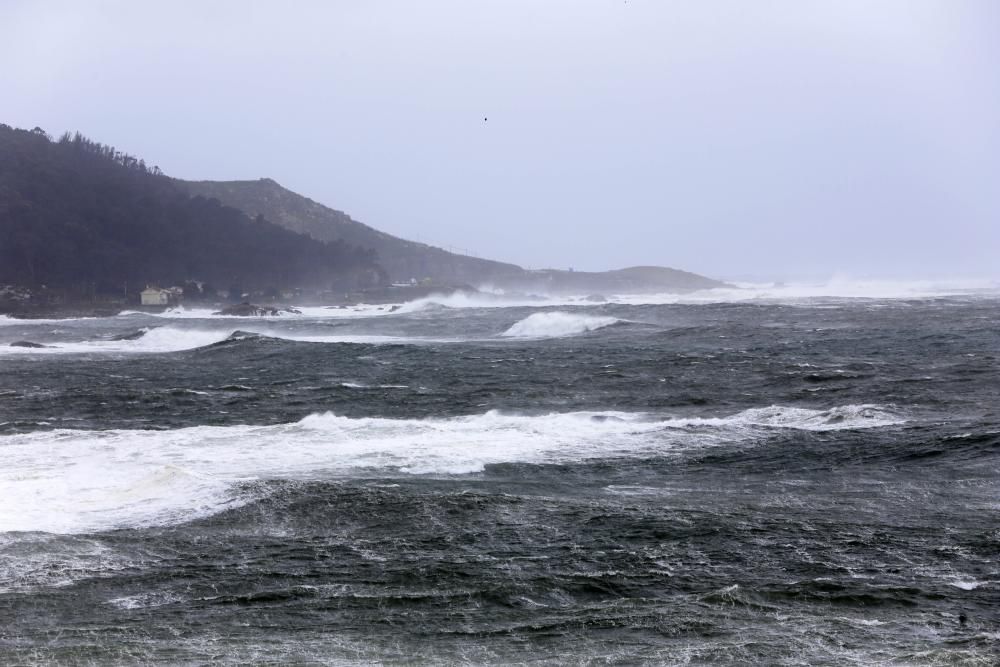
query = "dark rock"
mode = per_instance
[
  {"x": 135, "y": 335},
  {"x": 251, "y": 310},
  {"x": 239, "y": 335},
  {"x": 27, "y": 343}
]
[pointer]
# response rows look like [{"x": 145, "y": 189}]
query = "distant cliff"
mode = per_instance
[
  {"x": 400, "y": 258},
  {"x": 80, "y": 216},
  {"x": 403, "y": 259},
  {"x": 633, "y": 280}
]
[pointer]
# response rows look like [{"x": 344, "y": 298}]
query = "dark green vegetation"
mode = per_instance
[
  {"x": 80, "y": 216},
  {"x": 89, "y": 222},
  {"x": 401, "y": 259}
]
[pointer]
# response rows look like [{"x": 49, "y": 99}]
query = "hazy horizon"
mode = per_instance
[{"x": 775, "y": 141}]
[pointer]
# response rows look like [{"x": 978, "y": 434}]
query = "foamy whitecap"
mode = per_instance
[
  {"x": 7, "y": 320},
  {"x": 482, "y": 299},
  {"x": 839, "y": 418},
  {"x": 834, "y": 289},
  {"x": 155, "y": 340},
  {"x": 69, "y": 481},
  {"x": 305, "y": 312},
  {"x": 175, "y": 313},
  {"x": 556, "y": 324},
  {"x": 360, "y": 310},
  {"x": 176, "y": 339}
]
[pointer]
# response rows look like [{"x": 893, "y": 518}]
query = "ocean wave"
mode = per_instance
[
  {"x": 28, "y": 560},
  {"x": 155, "y": 340},
  {"x": 837, "y": 288},
  {"x": 176, "y": 313},
  {"x": 834, "y": 419},
  {"x": 460, "y": 299},
  {"x": 165, "y": 339},
  {"x": 7, "y": 320},
  {"x": 305, "y": 312},
  {"x": 834, "y": 289},
  {"x": 555, "y": 324},
  {"x": 73, "y": 481}
]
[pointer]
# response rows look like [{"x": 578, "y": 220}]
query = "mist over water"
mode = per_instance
[
  {"x": 781, "y": 474},
  {"x": 800, "y": 466}
]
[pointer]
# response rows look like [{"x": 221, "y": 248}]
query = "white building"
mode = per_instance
[{"x": 154, "y": 296}]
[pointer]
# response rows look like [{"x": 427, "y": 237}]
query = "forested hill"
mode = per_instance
[
  {"x": 402, "y": 259},
  {"x": 77, "y": 214}
]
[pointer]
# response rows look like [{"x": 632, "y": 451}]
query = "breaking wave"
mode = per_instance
[
  {"x": 97, "y": 480},
  {"x": 833, "y": 289},
  {"x": 842, "y": 417},
  {"x": 176, "y": 313},
  {"x": 305, "y": 312},
  {"x": 460, "y": 299},
  {"x": 167, "y": 339},
  {"x": 557, "y": 324},
  {"x": 7, "y": 320},
  {"x": 836, "y": 288},
  {"x": 154, "y": 340}
]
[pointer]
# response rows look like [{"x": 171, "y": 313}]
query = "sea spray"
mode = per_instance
[{"x": 556, "y": 324}]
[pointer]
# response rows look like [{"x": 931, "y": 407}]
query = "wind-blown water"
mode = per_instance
[{"x": 747, "y": 479}]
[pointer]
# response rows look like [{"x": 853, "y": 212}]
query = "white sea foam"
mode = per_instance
[
  {"x": 176, "y": 313},
  {"x": 7, "y": 320},
  {"x": 970, "y": 584},
  {"x": 70, "y": 481},
  {"x": 176, "y": 339},
  {"x": 481, "y": 299},
  {"x": 840, "y": 287},
  {"x": 833, "y": 289},
  {"x": 348, "y": 312},
  {"x": 305, "y": 312},
  {"x": 367, "y": 339},
  {"x": 834, "y": 419},
  {"x": 555, "y": 324},
  {"x": 159, "y": 339}
]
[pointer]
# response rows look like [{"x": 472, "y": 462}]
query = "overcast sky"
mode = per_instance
[{"x": 736, "y": 139}]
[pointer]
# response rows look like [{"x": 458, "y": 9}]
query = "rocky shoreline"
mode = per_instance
[{"x": 27, "y": 305}]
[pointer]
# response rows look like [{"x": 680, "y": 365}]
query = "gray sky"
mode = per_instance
[{"x": 736, "y": 139}]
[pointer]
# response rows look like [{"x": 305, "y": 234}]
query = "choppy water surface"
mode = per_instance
[{"x": 796, "y": 480}]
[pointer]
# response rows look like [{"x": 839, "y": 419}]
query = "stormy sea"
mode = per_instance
[{"x": 759, "y": 476}]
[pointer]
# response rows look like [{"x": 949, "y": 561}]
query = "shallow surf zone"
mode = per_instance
[
  {"x": 361, "y": 310},
  {"x": 556, "y": 324},
  {"x": 176, "y": 313},
  {"x": 68, "y": 481}
]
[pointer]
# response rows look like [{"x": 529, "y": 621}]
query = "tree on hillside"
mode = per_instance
[{"x": 83, "y": 215}]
